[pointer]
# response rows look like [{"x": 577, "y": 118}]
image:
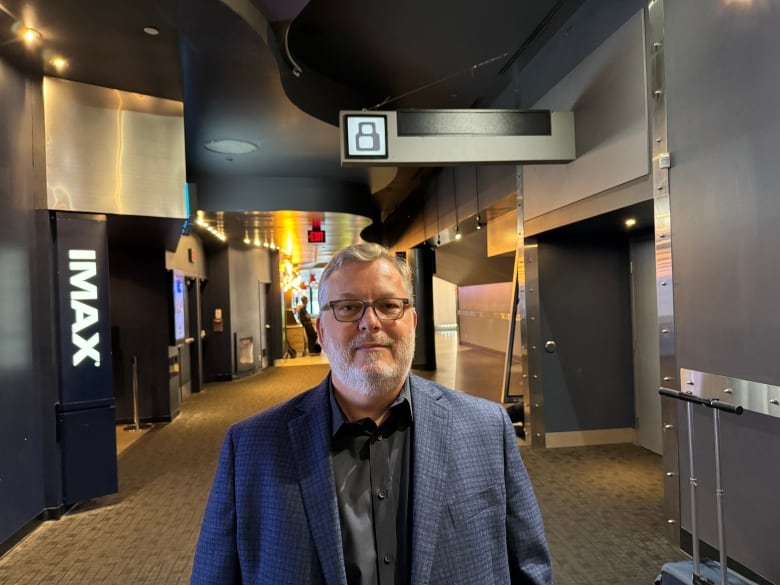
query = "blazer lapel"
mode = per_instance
[
  {"x": 431, "y": 424},
  {"x": 310, "y": 437}
]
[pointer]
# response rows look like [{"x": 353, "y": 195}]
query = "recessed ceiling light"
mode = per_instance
[
  {"x": 58, "y": 63},
  {"x": 30, "y": 35},
  {"x": 230, "y": 146},
  {"x": 630, "y": 222},
  {"x": 152, "y": 30}
]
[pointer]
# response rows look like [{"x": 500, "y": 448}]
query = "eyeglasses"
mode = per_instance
[{"x": 349, "y": 310}]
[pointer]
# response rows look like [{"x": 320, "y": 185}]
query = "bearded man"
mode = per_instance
[{"x": 376, "y": 476}]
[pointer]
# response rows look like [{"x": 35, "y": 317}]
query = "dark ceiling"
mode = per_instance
[{"x": 276, "y": 73}]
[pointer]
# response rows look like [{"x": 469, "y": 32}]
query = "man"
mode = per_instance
[
  {"x": 376, "y": 476},
  {"x": 305, "y": 319}
]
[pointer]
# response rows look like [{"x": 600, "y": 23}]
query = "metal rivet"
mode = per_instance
[
  {"x": 668, "y": 427},
  {"x": 670, "y": 474},
  {"x": 663, "y": 283},
  {"x": 728, "y": 391},
  {"x": 664, "y": 331},
  {"x": 690, "y": 382},
  {"x": 774, "y": 402},
  {"x": 668, "y": 378},
  {"x": 671, "y": 521}
]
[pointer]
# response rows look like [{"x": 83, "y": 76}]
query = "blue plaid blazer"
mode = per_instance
[{"x": 272, "y": 516}]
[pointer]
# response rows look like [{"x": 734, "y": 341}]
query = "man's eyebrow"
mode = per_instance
[{"x": 347, "y": 296}]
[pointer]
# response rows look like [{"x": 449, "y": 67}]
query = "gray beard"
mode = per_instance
[{"x": 375, "y": 379}]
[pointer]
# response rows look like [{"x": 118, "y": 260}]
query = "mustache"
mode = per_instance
[{"x": 378, "y": 338}]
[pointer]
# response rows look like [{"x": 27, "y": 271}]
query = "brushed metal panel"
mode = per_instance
[
  {"x": 534, "y": 409},
  {"x": 753, "y": 396},
  {"x": 654, "y": 34},
  {"x": 515, "y": 382},
  {"x": 109, "y": 151}
]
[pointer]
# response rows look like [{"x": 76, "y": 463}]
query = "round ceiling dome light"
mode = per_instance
[
  {"x": 230, "y": 146},
  {"x": 152, "y": 31}
]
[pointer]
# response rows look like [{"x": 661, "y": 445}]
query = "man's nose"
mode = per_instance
[{"x": 370, "y": 320}]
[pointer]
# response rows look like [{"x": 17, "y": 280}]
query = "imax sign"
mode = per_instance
[{"x": 82, "y": 265}]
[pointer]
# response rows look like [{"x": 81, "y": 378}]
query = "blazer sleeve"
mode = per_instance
[
  {"x": 216, "y": 555},
  {"x": 529, "y": 557}
]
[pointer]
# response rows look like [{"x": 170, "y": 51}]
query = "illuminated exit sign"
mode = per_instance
[{"x": 316, "y": 237}]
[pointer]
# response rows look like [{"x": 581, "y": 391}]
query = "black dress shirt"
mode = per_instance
[{"x": 372, "y": 469}]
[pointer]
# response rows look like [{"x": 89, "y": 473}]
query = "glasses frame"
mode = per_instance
[{"x": 366, "y": 304}]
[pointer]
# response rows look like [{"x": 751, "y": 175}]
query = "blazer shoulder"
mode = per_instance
[{"x": 459, "y": 402}]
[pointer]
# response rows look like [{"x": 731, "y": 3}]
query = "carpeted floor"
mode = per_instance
[
  {"x": 602, "y": 506},
  {"x": 603, "y": 512}
]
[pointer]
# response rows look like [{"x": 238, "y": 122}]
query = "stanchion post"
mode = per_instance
[{"x": 136, "y": 426}]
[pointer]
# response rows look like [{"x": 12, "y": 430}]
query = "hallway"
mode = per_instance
[{"x": 602, "y": 506}]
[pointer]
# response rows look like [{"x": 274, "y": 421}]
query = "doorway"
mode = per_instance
[{"x": 644, "y": 314}]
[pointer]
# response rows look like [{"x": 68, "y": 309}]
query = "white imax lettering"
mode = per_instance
[{"x": 83, "y": 268}]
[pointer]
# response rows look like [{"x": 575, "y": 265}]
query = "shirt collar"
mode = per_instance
[{"x": 337, "y": 417}]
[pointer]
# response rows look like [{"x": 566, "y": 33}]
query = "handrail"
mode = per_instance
[{"x": 709, "y": 402}]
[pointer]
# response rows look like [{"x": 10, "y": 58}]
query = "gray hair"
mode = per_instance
[{"x": 365, "y": 252}]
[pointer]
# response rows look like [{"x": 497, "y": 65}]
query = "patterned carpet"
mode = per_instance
[
  {"x": 603, "y": 512},
  {"x": 601, "y": 505}
]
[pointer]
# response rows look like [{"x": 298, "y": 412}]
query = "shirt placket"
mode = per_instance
[{"x": 382, "y": 498}]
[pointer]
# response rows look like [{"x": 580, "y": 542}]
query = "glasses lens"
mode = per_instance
[
  {"x": 389, "y": 308},
  {"x": 347, "y": 310}
]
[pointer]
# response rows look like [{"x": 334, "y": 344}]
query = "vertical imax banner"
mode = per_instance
[{"x": 84, "y": 319}]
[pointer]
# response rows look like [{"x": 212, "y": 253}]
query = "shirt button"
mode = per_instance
[
  {"x": 381, "y": 494},
  {"x": 388, "y": 558},
  {"x": 379, "y": 437}
]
